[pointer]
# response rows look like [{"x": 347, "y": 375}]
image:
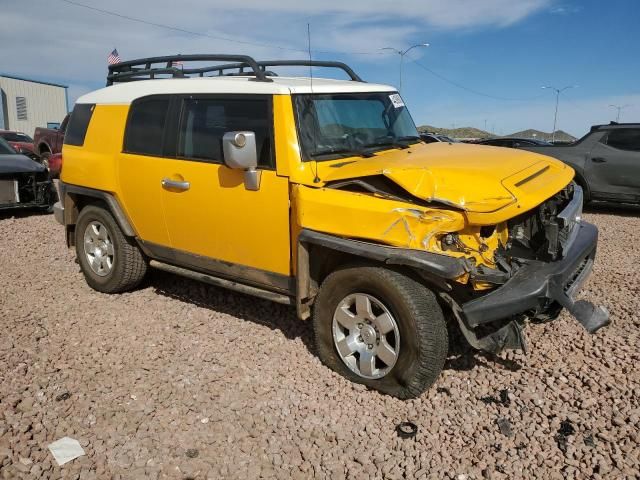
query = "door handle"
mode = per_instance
[
  {"x": 598, "y": 159},
  {"x": 175, "y": 184}
]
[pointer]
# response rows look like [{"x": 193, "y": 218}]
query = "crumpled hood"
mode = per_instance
[
  {"x": 475, "y": 178},
  {"x": 19, "y": 164}
]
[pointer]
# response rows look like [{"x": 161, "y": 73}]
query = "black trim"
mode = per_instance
[
  {"x": 224, "y": 283},
  {"x": 289, "y": 63},
  {"x": 108, "y": 198},
  {"x": 275, "y": 282},
  {"x": 442, "y": 266},
  {"x": 143, "y": 69}
]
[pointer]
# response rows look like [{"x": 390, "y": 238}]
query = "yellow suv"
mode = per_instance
[{"x": 319, "y": 193}]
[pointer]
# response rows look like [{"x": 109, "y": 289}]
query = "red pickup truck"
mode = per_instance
[{"x": 49, "y": 140}]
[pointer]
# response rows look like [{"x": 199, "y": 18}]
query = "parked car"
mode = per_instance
[
  {"x": 435, "y": 137},
  {"x": 322, "y": 197},
  {"x": 24, "y": 183},
  {"x": 20, "y": 142},
  {"x": 606, "y": 161},
  {"x": 55, "y": 165},
  {"x": 49, "y": 140},
  {"x": 512, "y": 142}
]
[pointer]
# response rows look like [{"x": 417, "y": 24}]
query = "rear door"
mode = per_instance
[
  {"x": 613, "y": 166},
  {"x": 141, "y": 167}
]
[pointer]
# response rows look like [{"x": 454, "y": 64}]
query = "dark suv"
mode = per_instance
[{"x": 606, "y": 161}]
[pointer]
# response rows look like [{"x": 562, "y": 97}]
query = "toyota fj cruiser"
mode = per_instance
[{"x": 319, "y": 193}]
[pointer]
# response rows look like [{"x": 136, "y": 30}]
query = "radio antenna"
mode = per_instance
[{"x": 316, "y": 179}]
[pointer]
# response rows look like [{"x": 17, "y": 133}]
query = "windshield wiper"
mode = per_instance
[
  {"x": 396, "y": 142},
  {"x": 341, "y": 153}
]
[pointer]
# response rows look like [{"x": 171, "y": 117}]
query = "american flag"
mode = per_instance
[
  {"x": 114, "y": 57},
  {"x": 176, "y": 63}
]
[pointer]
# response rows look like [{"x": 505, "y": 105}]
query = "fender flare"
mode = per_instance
[
  {"x": 71, "y": 212},
  {"x": 47, "y": 147},
  {"x": 433, "y": 265}
]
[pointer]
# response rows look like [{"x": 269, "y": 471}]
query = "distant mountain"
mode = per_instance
[
  {"x": 463, "y": 132},
  {"x": 471, "y": 132},
  {"x": 561, "y": 136}
]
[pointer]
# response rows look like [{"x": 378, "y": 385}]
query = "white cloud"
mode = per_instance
[{"x": 57, "y": 41}]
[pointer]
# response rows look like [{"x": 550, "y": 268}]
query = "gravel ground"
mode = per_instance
[{"x": 183, "y": 380}]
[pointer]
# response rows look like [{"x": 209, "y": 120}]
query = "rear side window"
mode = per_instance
[
  {"x": 204, "y": 122},
  {"x": 145, "y": 126},
  {"x": 624, "y": 139},
  {"x": 78, "y": 124}
]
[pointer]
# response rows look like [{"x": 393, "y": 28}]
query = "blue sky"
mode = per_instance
[{"x": 502, "y": 48}]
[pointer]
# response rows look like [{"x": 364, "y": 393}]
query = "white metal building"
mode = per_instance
[{"x": 26, "y": 104}]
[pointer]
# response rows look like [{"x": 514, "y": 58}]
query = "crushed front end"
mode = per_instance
[
  {"x": 32, "y": 189},
  {"x": 547, "y": 257}
]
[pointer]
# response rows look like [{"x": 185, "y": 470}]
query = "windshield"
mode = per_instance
[
  {"x": 16, "y": 137},
  {"x": 336, "y": 125},
  {"x": 5, "y": 148}
]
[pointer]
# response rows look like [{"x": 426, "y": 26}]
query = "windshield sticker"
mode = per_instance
[{"x": 396, "y": 99}]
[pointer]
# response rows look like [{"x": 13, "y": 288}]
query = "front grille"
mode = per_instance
[{"x": 576, "y": 274}]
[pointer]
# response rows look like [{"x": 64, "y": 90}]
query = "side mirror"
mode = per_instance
[{"x": 240, "y": 153}]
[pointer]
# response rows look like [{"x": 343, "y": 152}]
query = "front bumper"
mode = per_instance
[
  {"x": 536, "y": 285},
  {"x": 58, "y": 212}
]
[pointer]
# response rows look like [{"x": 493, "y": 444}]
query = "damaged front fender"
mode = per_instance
[{"x": 369, "y": 217}]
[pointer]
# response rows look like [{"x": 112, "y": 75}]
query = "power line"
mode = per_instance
[
  {"x": 202, "y": 34},
  {"x": 468, "y": 89},
  {"x": 280, "y": 47}
]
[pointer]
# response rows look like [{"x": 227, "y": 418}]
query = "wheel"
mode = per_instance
[
  {"x": 110, "y": 262},
  {"x": 378, "y": 327}
]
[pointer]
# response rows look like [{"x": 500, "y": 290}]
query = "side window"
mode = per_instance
[
  {"x": 624, "y": 139},
  {"x": 78, "y": 124},
  {"x": 145, "y": 126},
  {"x": 204, "y": 121}
]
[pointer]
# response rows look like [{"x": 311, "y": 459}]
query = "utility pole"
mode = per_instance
[
  {"x": 555, "y": 115},
  {"x": 619, "y": 108},
  {"x": 402, "y": 53}
]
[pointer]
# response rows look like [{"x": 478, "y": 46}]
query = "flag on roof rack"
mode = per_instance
[{"x": 113, "y": 57}]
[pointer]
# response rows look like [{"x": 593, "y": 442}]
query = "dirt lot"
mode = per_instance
[{"x": 183, "y": 380}]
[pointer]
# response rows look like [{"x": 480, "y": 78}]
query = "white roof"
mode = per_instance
[{"x": 125, "y": 93}]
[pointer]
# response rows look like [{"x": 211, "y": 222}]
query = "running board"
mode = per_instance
[{"x": 221, "y": 282}]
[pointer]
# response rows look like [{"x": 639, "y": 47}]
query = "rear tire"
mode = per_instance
[
  {"x": 110, "y": 261},
  {"x": 421, "y": 344}
]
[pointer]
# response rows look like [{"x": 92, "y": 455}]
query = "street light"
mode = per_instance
[
  {"x": 619, "y": 108},
  {"x": 555, "y": 116},
  {"x": 402, "y": 53}
]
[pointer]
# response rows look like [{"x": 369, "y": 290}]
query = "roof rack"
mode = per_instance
[
  {"x": 143, "y": 68},
  {"x": 287, "y": 63}
]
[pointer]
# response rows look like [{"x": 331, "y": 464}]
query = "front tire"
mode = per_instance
[
  {"x": 110, "y": 261},
  {"x": 381, "y": 328}
]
